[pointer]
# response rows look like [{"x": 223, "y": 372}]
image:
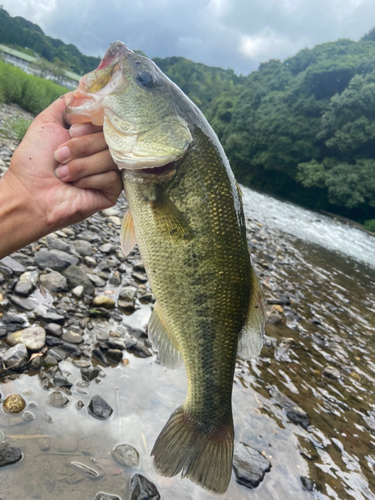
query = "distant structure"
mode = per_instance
[{"x": 32, "y": 66}]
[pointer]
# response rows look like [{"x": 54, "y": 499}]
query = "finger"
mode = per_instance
[
  {"x": 109, "y": 183},
  {"x": 54, "y": 112},
  {"x": 85, "y": 167},
  {"x": 80, "y": 147},
  {"x": 80, "y": 129}
]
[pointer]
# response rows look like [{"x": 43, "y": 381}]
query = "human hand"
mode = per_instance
[{"x": 64, "y": 175}]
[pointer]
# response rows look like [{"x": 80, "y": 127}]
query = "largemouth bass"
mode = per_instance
[{"x": 185, "y": 214}]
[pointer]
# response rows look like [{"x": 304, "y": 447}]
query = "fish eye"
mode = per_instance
[{"x": 145, "y": 79}]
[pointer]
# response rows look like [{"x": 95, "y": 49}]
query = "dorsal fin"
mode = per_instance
[
  {"x": 163, "y": 340},
  {"x": 250, "y": 341},
  {"x": 127, "y": 234}
]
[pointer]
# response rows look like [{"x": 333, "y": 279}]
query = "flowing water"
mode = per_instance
[{"x": 324, "y": 272}]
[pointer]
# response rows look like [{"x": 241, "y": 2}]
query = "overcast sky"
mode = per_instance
[{"x": 237, "y": 34}]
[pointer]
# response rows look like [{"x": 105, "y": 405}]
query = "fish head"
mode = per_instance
[{"x": 136, "y": 105}]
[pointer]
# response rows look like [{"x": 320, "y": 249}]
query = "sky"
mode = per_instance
[{"x": 237, "y": 34}]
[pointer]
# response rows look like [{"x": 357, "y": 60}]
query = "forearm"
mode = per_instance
[{"x": 20, "y": 224}]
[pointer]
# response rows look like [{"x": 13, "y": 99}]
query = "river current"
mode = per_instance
[{"x": 318, "y": 277}]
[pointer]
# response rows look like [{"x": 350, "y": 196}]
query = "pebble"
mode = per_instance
[
  {"x": 90, "y": 261},
  {"x": 55, "y": 243},
  {"x": 99, "y": 408},
  {"x": 86, "y": 471},
  {"x": 293, "y": 411},
  {"x": 126, "y": 455},
  {"x": 53, "y": 329},
  {"x": 115, "y": 220},
  {"x": 54, "y": 259},
  {"x": 114, "y": 355},
  {"x": 83, "y": 247},
  {"x": 16, "y": 356},
  {"x": 249, "y": 465},
  {"x": 25, "y": 284},
  {"x": 77, "y": 277},
  {"x": 137, "y": 348},
  {"x": 54, "y": 282},
  {"x": 78, "y": 291},
  {"x": 140, "y": 277},
  {"x": 72, "y": 337},
  {"x": 106, "y": 496},
  {"x": 9, "y": 454},
  {"x": 13, "y": 264},
  {"x": 107, "y": 248},
  {"x": 104, "y": 301},
  {"x": 96, "y": 280},
  {"x": 58, "y": 399},
  {"x": 50, "y": 317},
  {"x": 128, "y": 293},
  {"x": 89, "y": 374},
  {"x": 332, "y": 372},
  {"x": 143, "y": 489},
  {"x": 23, "y": 303},
  {"x": 33, "y": 338},
  {"x": 14, "y": 404}
]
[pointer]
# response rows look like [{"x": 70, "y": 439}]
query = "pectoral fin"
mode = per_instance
[
  {"x": 250, "y": 341},
  {"x": 163, "y": 340},
  {"x": 127, "y": 234}
]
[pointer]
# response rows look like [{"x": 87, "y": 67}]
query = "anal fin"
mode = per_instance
[
  {"x": 251, "y": 337},
  {"x": 163, "y": 340},
  {"x": 127, "y": 234}
]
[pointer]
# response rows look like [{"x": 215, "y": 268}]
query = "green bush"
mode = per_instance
[
  {"x": 30, "y": 92},
  {"x": 16, "y": 128},
  {"x": 370, "y": 225}
]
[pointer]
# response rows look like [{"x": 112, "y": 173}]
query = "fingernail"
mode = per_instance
[
  {"x": 62, "y": 154},
  {"x": 62, "y": 171},
  {"x": 78, "y": 130}
]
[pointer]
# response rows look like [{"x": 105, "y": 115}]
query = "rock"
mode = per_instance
[
  {"x": 83, "y": 247},
  {"x": 115, "y": 220},
  {"x": 72, "y": 337},
  {"x": 9, "y": 454},
  {"x": 96, "y": 280},
  {"x": 116, "y": 343},
  {"x": 86, "y": 471},
  {"x": 12, "y": 264},
  {"x": 140, "y": 277},
  {"x": 90, "y": 261},
  {"x": 103, "y": 301},
  {"x": 78, "y": 291},
  {"x": 21, "y": 303},
  {"x": 90, "y": 374},
  {"x": 54, "y": 282},
  {"x": 115, "y": 279},
  {"x": 293, "y": 412},
  {"x": 55, "y": 243},
  {"x": 139, "y": 266},
  {"x": 26, "y": 284},
  {"x": 51, "y": 317},
  {"x": 33, "y": 338},
  {"x": 99, "y": 408},
  {"x": 128, "y": 293},
  {"x": 137, "y": 348},
  {"x": 114, "y": 355},
  {"x": 28, "y": 416},
  {"x": 274, "y": 318},
  {"x": 49, "y": 360},
  {"x": 126, "y": 455},
  {"x": 60, "y": 380},
  {"x": 332, "y": 372},
  {"x": 107, "y": 248},
  {"x": 53, "y": 329},
  {"x": 307, "y": 483},
  {"x": 142, "y": 489},
  {"x": 101, "y": 357},
  {"x": 108, "y": 212},
  {"x": 58, "y": 399},
  {"x": 77, "y": 277},
  {"x": 54, "y": 259},
  {"x": 249, "y": 465},
  {"x": 14, "y": 404},
  {"x": 16, "y": 356},
  {"x": 106, "y": 496}
]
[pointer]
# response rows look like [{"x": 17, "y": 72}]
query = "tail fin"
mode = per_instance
[{"x": 204, "y": 458}]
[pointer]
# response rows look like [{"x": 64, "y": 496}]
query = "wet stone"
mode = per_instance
[
  {"x": 51, "y": 317},
  {"x": 140, "y": 277},
  {"x": 12, "y": 264},
  {"x": 33, "y": 338},
  {"x": 23, "y": 303},
  {"x": 77, "y": 277},
  {"x": 107, "y": 248},
  {"x": 28, "y": 416},
  {"x": 14, "y": 404},
  {"x": 114, "y": 355},
  {"x": 9, "y": 454},
  {"x": 126, "y": 455},
  {"x": 249, "y": 465},
  {"x": 307, "y": 483},
  {"x": 81, "y": 363},
  {"x": 99, "y": 408},
  {"x": 83, "y": 247},
  {"x": 128, "y": 293},
  {"x": 96, "y": 280},
  {"x": 103, "y": 301},
  {"x": 53, "y": 329},
  {"x": 106, "y": 496},
  {"x": 137, "y": 348},
  {"x": 86, "y": 471},
  {"x": 16, "y": 356},
  {"x": 293, "y": 411},
  {"x": 332, "y": 372},
  {"x": 142, "y": 489},
  {"x": 55, "y": 243},
  {"x": 25, "y": 284},
  {"x": 54, "y": 282},
  {"x": 58, "y": 399},
  {"x": 54, "y": 259},
  {"x": 89, "y": 374},
  {"x": 72, "y": 337}
]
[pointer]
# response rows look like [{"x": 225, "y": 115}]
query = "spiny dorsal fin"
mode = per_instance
[
  {"x": 250, "y": 341},
  {"x": 127, "y": 234},
  {"x": 163, "y": 340}
]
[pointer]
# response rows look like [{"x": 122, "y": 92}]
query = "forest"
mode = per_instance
[{"x": 302, "y": 129}]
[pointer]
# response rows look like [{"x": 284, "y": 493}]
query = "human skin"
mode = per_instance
[{"x": 57, "y": 176}]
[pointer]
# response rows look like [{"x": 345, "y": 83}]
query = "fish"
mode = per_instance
[{"x": 186, "y": 215}]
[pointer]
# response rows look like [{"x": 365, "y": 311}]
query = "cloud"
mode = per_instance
[{"x": 238, "y": 34}]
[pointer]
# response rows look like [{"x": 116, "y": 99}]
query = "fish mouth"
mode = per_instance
[{"x": 164, "y": 172}]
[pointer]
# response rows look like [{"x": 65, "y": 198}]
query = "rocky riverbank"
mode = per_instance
[{"x": 70, "y": 298}]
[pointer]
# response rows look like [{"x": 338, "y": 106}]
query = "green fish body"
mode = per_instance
[{"x": 186, "y": 215}]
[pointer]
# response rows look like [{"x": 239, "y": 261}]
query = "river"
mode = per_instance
[{"x": 318, "y": 277}]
